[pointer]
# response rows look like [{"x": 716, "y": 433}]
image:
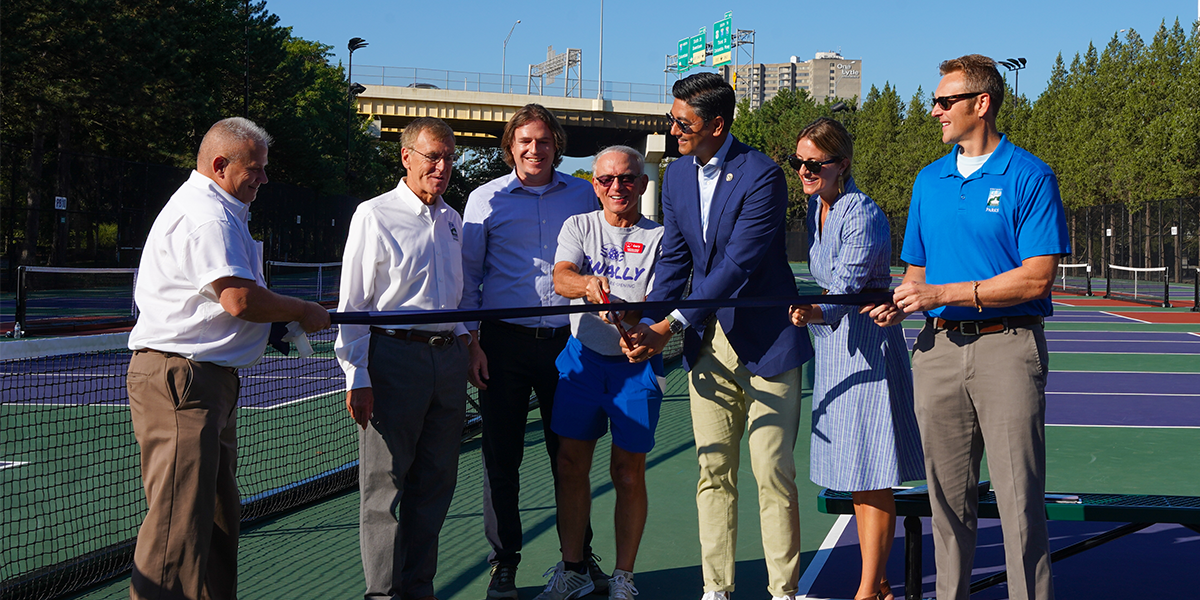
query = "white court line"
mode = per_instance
[
  {"x": 1105, "y": 312},
  {"x": 296, "y": 401},
  {"x": 1124, "y": 426},
  {"x": 822, "y": 555}
]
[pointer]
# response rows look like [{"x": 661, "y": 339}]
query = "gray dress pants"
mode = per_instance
[
  {"x": 976, "y": 391},
  {"x": 408, "y": 462}
]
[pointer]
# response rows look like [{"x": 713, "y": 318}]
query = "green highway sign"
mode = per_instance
[
  {"x": 685, "y": 52},
  {"x": 699, "y": 49},
  {"x": 723, "y": 41}
]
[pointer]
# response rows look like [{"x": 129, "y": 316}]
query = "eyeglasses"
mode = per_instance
[
  {"x": 813, "y": 166},
  {"x": 683, "y": 127},
  {"x": 450, "y": 158},
  {"x": 624, "y": 180},
  {"x": 947, "y": 101}
]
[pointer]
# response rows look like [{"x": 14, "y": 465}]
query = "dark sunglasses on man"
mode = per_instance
[
  {"x": 947, "y": 101},
  {"x": 624, "y": 180},
  {"x": 813, "y": 166}
]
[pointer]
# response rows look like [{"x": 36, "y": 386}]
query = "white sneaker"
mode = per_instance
[
  {"x": 564, "y": 584},
  {"x": 620, "y": 586},
  {"x": 715, "y": 596}
]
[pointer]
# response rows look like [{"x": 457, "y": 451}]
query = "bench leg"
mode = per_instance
[{"x": 912, "y": 558}]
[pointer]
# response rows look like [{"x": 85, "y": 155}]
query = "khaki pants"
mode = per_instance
[
  {"x": 725, "y": 397},
  {"x": 184, "y": 417},
  {"x": 987, "y": 391}
]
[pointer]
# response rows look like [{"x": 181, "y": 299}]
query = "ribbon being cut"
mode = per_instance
[{"x": 421, "y": 317}]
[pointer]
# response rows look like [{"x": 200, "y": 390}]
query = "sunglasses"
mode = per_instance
[
  {"x": 947, "y": 101},
  {"x": 624, "y": 180},
  {"x": 813, "y": 166},
  {"x": 683, "y": 127}
]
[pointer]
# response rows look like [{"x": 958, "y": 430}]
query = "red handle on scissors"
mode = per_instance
[{"x": 620, "y": 328}]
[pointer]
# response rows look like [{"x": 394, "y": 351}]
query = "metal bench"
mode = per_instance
[{"x": 1137, "y": 512}]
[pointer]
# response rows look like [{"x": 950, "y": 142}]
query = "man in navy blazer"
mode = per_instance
[{"x": 723, "y": 212}]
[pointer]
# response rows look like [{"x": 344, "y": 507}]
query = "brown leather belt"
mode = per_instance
[
  {"x": 175, "y": 355},
  {"x": 437, "y": 340},
  {"x": 540, "y": 333},
  {"x": 985, "y": 326}
]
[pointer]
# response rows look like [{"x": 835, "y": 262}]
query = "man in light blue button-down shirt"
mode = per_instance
[{"x": 510, "y": 236}]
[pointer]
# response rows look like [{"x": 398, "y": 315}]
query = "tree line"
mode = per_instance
[{"x": 1119, "y": 126}]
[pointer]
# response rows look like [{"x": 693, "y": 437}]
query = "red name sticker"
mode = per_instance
[{"x": 634, "y": 247}]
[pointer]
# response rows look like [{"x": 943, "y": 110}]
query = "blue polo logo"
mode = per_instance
[{"x": 993, "y": 201}]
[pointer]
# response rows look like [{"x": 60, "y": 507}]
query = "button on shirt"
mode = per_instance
[
  {"x": 199, "y": 237},
  {"x": 400, "y": 254},
  {"x": 509, "y": 241}
]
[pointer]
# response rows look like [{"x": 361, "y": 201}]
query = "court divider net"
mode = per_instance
[
  {"x": 1145, "y": 285},
  {"x": 71, "y": 497}
]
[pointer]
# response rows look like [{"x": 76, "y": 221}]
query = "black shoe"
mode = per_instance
[
  {"x": 504, "y": 582},
  {"x": 599, "y": 579}
]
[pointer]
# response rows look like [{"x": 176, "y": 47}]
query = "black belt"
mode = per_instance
[
  {"x": 437, "y": 340},
  {"x": 985, "y": 326},
  {"x": 538, "y": 333}
]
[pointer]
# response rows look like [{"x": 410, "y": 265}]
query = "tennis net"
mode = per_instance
[
  {"x": 317, "y": 282},
  {"x": 71, "y": 497},
  {"x": 57, "y": 300},
  {"x": 1146, "y": 285},
  {"x": 1074, "y": 279}
]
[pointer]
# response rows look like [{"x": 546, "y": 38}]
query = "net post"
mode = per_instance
[
  {"x": 1196, "y": 285},
  {"x": 1108, "y": 284},
  {"x": 1166, "y": 288},
  {"x": 1088, "y": 276},
  {"x": 19, "y": 322}
]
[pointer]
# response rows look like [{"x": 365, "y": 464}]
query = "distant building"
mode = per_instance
[{"x": 828, "y": 75}]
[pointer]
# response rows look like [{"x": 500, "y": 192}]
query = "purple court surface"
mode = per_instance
[{"x": 1127, "y": 567}]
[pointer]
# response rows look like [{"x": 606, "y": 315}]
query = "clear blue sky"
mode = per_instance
[{"x": 899, "y": 42}]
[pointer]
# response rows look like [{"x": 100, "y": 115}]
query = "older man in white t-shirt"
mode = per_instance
[
  {"x": 605, "y": 255},
  {"x": 204, "y": 312}
]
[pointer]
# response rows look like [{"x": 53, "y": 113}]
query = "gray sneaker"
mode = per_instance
[
  {"x": 620, "y": 587},
  {"x": 564, "y": 584},
  {"x": 599, "y": 579}
]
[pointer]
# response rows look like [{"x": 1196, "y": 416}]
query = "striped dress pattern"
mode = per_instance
[{"x": 864, "y": 430}]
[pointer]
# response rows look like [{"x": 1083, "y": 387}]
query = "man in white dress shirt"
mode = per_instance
[
  {"x": 406, "y": 386},
  {"x": 205, "y": 312}
]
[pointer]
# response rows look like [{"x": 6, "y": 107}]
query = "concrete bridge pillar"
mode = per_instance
[{"x": 656, "y": 148}]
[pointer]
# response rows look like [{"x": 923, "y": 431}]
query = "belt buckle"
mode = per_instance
[
  {"x": 538, "y": 335},
  {"x": 439, "y": 340},
  {"x": 963, "y": 327}
]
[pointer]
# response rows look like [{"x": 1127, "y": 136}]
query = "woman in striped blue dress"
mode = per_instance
[{"x": 864, "y": 431}]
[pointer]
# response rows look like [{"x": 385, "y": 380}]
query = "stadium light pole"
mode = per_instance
[
  {"x": 504, "y": 54},
  {"x": 352, "y": 89},
  {"x": 1015, "y": 65}
]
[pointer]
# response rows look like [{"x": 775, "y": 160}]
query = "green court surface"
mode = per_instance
[{"x": 313, "y": 553}]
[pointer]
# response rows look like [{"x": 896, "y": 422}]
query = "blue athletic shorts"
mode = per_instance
[{"x": 594, "y": 389}]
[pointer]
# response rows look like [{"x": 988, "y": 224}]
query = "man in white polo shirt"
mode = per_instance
[
  {"x": 406, "y": 385},
  {"x": 204, "y": 312}
]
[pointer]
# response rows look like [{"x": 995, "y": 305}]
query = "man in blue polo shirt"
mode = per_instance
[{"x": 985, "y": 232}]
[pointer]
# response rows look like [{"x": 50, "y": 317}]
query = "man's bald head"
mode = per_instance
[{"x": 234, "y": 155}]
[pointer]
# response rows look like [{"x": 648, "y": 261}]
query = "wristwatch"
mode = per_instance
[{"x": 675, "y": 325}]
